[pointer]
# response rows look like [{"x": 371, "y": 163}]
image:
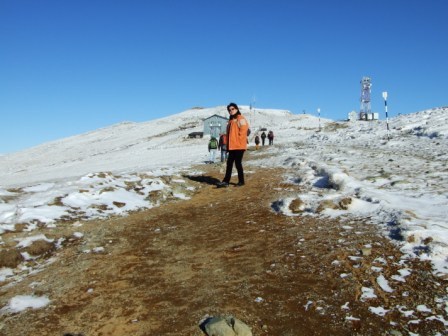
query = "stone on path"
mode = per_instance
[{"x": 225, "y": 326}]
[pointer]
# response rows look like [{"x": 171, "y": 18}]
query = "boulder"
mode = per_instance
[
  {"x": 225, "y": 326},
  {"x": 218, "y": 326},
  {"x": 240, "y": 328}
]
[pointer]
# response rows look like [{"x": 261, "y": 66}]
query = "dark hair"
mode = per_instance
[{"x": 233, "y": 105}]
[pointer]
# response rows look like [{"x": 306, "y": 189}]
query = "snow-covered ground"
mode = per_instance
[{"x": 399, "y": 184}]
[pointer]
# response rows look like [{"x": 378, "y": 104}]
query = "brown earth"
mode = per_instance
[{"x": 223, "y": 252}]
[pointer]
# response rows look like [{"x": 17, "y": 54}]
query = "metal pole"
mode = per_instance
[
  {"x": 253, "y": 105},
  {"x": 318, "y": 113},
  {"x": 387, "y": 117},
  {"x": 250, "y": 114}
]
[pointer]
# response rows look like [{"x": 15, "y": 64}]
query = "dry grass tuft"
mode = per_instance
[
  {"x": 10, "y": 258},
  {"x": 40, "y": 247},
  {"x": 296, "y": 206}
]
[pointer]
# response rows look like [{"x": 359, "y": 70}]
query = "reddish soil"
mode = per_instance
[{"x": 165, "y": 269}]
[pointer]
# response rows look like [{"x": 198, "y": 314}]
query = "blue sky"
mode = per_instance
[{"x": 68, "y": 67}]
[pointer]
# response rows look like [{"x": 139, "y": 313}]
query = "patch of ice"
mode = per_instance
[
  {"x": 378, "y": 310},
  {"x": 367, "y": 293},
  {"x": 22, "y": 302},
  {"x": 384, "y": 284},
  {"x": 423, "y": 309}
]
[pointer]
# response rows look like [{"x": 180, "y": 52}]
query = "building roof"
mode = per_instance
[{"x": 215, "y": 115}]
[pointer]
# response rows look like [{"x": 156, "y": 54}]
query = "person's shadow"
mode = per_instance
[{"x": 203, "y": 179}]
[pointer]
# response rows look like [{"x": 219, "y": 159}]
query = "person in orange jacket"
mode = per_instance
[{"x": 236, "y": 144}]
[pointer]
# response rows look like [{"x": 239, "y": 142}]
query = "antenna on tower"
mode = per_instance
[{"x": 365, "y": 98}]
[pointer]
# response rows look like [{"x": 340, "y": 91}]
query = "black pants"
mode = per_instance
[{"x": 237, "y": 157}]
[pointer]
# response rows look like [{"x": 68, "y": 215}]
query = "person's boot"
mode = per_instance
[{"x": 222, "y": 184}]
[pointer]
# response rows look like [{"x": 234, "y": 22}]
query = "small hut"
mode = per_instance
[
  {"x": 215, "y": 125},
  {"x": 194, "y": 135}
]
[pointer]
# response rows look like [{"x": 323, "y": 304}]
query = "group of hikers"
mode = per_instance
[
  {"x": 214, "y": 145},
  {"x": 263, "y": 136},
  {"x": 234, "y": 143}
]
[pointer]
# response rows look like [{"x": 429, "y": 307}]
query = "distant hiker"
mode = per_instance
[
  {"x": 257, "y": 142},
  {"x": 263, "y": 138},
  {"x": 222, "y": 146},
  {"x": 248, "y": 133},
  {"x": 271, "y": 137},
  {"x": 212, "y": 148},
  {"x": 236, "y": 144}
]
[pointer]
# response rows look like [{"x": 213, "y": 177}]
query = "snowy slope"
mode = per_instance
[
  {"x": 399, "y": 184},
  {"x": 122, "y": 147}
]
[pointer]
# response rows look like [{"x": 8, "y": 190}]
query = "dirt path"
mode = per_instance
[{"x": 222, "y": 252}]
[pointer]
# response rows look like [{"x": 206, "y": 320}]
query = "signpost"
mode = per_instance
[{"x": 387, "y": 117}]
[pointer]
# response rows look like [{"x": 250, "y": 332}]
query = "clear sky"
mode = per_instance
[{"x": 71, "y": 66}]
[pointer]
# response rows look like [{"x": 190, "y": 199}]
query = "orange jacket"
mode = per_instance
[{"x": 237, "y": 133}]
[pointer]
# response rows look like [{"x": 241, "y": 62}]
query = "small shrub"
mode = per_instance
[
  {"x": 40, "y": 247},
  {"x": 10, "y": 258},
  {"x": 108, "y": 189},
  {"x": 326, "y": 204},
  {"x": 57, "y": 201},
  {"x": 345, "y": 202},
  {"x": 20, "y": 227},
  {"x": 296, "y": 206}
]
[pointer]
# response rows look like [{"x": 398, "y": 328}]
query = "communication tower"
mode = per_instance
[{"x": 365, "y": 98}]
